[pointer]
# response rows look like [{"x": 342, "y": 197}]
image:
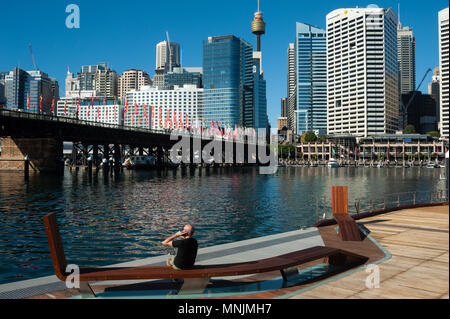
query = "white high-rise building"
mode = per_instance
[
  {"x": 90, "y": 106},
  {"x": 291, "y": 86},
  {"x": 443, "y": 70},
  {"x": 362, "y": 72},
  {"x": 157, "y": 109}
]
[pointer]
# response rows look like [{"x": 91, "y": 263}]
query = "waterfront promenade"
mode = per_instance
[{"x": 410, "y": 247}]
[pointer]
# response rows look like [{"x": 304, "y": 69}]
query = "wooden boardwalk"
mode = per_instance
[{"x": 417, "y": 241}]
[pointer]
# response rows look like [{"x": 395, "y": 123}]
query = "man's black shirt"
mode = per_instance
[{"x": 187, "y": 252}]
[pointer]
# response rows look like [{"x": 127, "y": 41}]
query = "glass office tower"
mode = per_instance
[
  {"x": 311, "y": 78},
  {"x": 25, "y": 88},
  {"x": 228, "y": 80}
]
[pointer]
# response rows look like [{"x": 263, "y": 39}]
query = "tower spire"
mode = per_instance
[
  {"x": 258, "y": 27},
  {"x": 399, "y": 24}
]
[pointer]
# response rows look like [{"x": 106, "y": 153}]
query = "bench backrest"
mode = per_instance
[
  {"x": 55, "y": 245},
  {"x": 340, "y": 200}
]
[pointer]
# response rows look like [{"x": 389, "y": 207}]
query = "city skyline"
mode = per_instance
[{"x": 106, "y": 36}]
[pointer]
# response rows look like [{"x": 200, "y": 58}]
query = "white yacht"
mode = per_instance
[{"x": 332, "y": 163}]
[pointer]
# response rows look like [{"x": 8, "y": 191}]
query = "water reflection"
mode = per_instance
[{"x": 106, "y": 220}]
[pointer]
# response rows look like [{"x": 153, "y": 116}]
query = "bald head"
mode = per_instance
[{"x": 189, "y": 229}]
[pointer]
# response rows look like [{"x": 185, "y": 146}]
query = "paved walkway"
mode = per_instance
[{"x": 418, "y": 241}]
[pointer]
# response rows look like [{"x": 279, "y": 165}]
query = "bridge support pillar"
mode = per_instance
[
  {"x": 160, "y": 156},
  {"x": 95, "y": 155},
  {"x": 85, "y": 154},
  {"x": 106, "y": 152},
  {"x": 74, "y": 154},
  {"x": 44, "y": 154},
  {"x": 117, "y": 157}
]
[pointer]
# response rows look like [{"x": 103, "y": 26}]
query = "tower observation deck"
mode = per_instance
[{"x": 258, "y": 28}]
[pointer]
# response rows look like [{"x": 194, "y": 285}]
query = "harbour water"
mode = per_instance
[{"x": 117, "y": 219}]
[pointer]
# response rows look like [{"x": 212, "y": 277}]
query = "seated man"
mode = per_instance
[{"x": 187, "y": 248}]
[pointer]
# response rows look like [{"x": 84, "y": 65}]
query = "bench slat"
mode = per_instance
[{"x": 265, "y": 265}]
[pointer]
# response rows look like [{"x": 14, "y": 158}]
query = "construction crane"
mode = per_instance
[
  {"x": 170, "y": 52},
  {"x": 32, "y": 57},
  {"x": 405, "y": 108}
]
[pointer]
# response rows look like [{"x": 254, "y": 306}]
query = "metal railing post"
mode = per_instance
[
  {"x": 317, "y": 210},
  {"x": 371, "y": 205},
  {"x": 398, "y": 201},
  {"x": 414, "y": 198},
  {"x": 384, "y": 199}
]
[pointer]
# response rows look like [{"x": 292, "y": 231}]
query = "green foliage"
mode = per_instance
[
  {"x": 308, "y": 137},
  {"x": 409, "y": 129},
  {"x": 434, "y": 134},
  {"x": 286, "y": 151}
]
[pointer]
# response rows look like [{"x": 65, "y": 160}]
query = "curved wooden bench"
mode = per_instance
[
  {"x": 196, "y": 279},
  {"x": 348, "y": 230}
]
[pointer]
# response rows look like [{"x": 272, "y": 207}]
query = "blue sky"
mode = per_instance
[{"x": 125, "y": 33}]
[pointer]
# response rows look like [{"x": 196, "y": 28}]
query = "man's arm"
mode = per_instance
[{"x": 168, "y": 241}]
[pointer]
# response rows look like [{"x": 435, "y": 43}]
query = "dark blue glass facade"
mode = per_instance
[
  {"x": 227, "y": 80},
  {"x": 21, "y": 85},
  {"x": 311, "y": 71}
]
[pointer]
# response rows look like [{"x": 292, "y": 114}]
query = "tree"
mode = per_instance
[
  {"x": 434, "y": 134},
  {"x": 323, "y": 138},
  {"x": 308, "y": 137},
  {"x": 409, "y": 129}
]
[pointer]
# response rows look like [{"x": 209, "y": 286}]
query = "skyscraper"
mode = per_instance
[
  {"x": 284, "y": 107},
  {"x": 25, "y": 88},
  {"x": 182, "y": 76},
  {"x": 257, "y": 116},
  {"x": 168, "y": 57},
  {"x": 362, "y": 72},
  {"x": 406, "y": 59},
  {"x": 291, "y": 86},
  {"x": 86, "y": 78},
  {"x": 228, "y": 80},
  {"x": 444, "y": 70},
  {"x": 72, "y": 83},
  {"x": 434, "y": 89},
  {"x": 106, "y": 81},
  {"x": 133, "y": 80},
  {"x": 2, "y": 89},
  {"x": 311, "y": 79}
]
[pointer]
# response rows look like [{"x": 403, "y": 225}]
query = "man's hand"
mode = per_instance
[
  {"x": 168, "y": 241},
  {"x": 180, "y": 233}
]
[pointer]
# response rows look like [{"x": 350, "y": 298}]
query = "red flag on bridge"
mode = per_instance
[
  {"x": 126, "y": 108},
  {"x": 28, "y": 101},
  {"x": 145, "y": 114},
  {"x": 115, "y": 117},
  {"x": 175, "y": 123},
  {"x": 40, "y": 103},
  {"x": 153, "y": 116},
  {"x": 160, "y": 117},
  {"x": 65, "y": 107},
  {"x": 53, "y": 104}
]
